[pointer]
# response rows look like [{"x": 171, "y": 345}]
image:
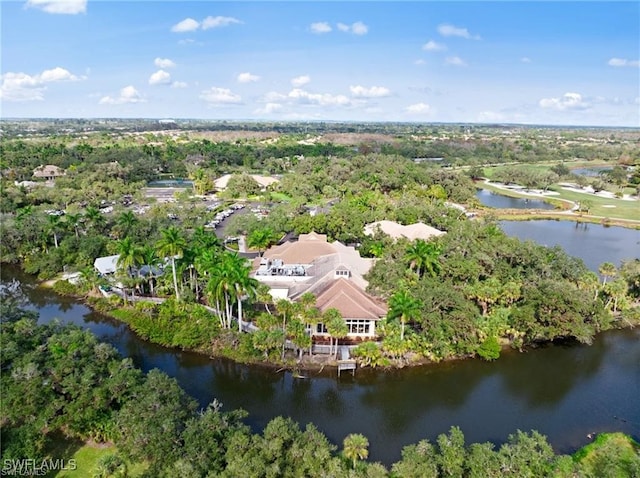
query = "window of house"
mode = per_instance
[
  {"x": 342, "y": 273},
  {"x": 321, "y": 329},
  {"x": 359, "y": 326}
]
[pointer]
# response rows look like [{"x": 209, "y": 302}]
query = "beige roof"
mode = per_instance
[
  {"x": 263, "y": 181},
  {"x": 47, "y": 171},
  {"x": 418, "y": 230},
  {"x": 350, "y": 300},
  {"x": 307, "y": 248}
]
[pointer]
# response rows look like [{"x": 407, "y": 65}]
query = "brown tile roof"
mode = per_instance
[
  {"x": 350, "y": 300},
  {"x": 49, "y": 170},
  {"x": 307, "y": 248}
]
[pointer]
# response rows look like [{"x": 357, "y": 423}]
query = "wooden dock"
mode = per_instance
[{"x": 346, "y": 362}]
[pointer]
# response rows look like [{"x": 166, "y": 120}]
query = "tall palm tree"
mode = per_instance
[
  {"x": 152, "y": 261},
  {"x": 172, "y": 245},
  {"x": 245, "y": 286},
  {"x": 356, "y": 447},
  {"x": 261, "y": 239},
  {"x": 336, "y": 326},
  {"x": 73, "y": 220},
  {"x": 126, "y": 221},
  {"x": 95, "y": 218},
  {"x": 423, "y": 256},
  {"x": 607, "y": 269},
  {"x": 130, "y": 257},
  {"x": 53, "y": 226},
  {"x": 404, "y": 306}
]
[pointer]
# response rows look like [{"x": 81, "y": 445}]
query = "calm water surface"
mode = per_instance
[
  {"x": 565, "y": 391},
  {"x": 499, "y": 201},
  {"x": 593, "y": 243},
  {"x": 592, "y": 172}
]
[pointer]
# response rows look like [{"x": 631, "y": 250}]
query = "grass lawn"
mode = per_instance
[
  {"x": 629, "y": 210},
  {"x": 623, "y": 209},
  {"x": 490, "y": 171},
  {"x": 86, "y": 458},
  {"x": 612, "y": 453}
]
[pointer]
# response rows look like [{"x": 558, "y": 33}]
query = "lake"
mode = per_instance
[
  {"x": 593, "y": 243},
  {"x": 499, "y": 201},
  {"x": 565, "y": 391}
]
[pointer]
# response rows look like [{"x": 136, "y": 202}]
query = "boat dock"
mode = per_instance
[{"x": 346, "y": 362}]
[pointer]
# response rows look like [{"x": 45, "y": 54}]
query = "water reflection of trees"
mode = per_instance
[
  {"x": 404, "y": 396},
  {"x": 543, "y": 377}
]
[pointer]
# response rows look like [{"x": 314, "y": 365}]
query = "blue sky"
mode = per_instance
[{"x": 569, "y": 63}]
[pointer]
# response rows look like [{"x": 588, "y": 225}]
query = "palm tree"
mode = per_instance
[
  {"x": 130, "y": 257},
  {"x": 356, "y": 447},
  {"x": 336, "y": 326},
  {"x": 286, "y": 310},
  {"x": 172, "y": 245},
  {"x": 404, "y": 306},
  {"x": 53, "y": 225},
  {"x": 73, "y": 220},
  {"x": 126, "y": 221},
  {"x": 95, "y": 217},
  {"x": 245, "y": 286},
  {"x": 261, "y": 239},
  {"x": 607, "y": 269},
  {"x": 589, "y": 281},
  {"x": 152, "y": 261},
  {"x": 423, "y": 256}
]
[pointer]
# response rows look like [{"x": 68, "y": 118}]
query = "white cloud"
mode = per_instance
[
  {"x": 447, "y": 30},
  {"x": 57, "y": 74},
  {"x": 455, "y": 61},
  {"x": 273, "y": 97},
  {"x": 420, "y": 62},
  {"x": 269, "y": 108},
  {"x": 357, "y": 28},
  {"x": 568, "y": 101},
  {"x": 220, "y": 96},
  {"x": 128, "y": 94},
  {"x": 303, "y": 97},
  {"x": 433, "y": 46},
  {"x": 160, "y": 77},
  {"x": 320, "y": 27},
  {"x": 23, "y": 87},
  {"x": 525, "y": 59},
  {"x": 217, "y": 22},
  {"x": 372, "y": 92},
  {"x": 299, "y": 81},
  {"x": 186, "y": 25},
  {"x": 623, "y": 62},
  {"x": 179, "y": 84},
  {"x": 247, "y": 78},
  {"x": 418, "y": 108},
  {"x": 67, "y": 7},
  {"x": 164, "y": 63}
]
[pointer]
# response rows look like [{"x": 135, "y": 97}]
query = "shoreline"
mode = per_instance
[
  {"x": 540, "y": 214},
  {"x": 299, "y": 368}
]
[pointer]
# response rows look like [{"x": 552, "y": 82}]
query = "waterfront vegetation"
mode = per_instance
[
  {"x": 68, "y": 396},
  {"x": 467, "y": 293}
]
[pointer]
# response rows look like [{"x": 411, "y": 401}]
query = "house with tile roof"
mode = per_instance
[
  {"x": 331, "y": 271},
  {"x": 49, "y": 172},
  {"x": 263, "y": 181},
  {"x": 419, "y": 230}
]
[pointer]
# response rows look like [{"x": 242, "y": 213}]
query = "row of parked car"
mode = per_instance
[{"x": 222, "y": 215}]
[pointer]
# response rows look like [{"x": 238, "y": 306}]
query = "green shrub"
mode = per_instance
[
  {"x": 64, "y": 287},
  {"x": 489, "y": 349}
]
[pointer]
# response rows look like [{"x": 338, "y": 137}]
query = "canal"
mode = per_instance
[{"x": 565, "y": 391}]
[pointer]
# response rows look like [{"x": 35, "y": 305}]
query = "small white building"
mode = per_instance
[{"x": 106, "y": 265}]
